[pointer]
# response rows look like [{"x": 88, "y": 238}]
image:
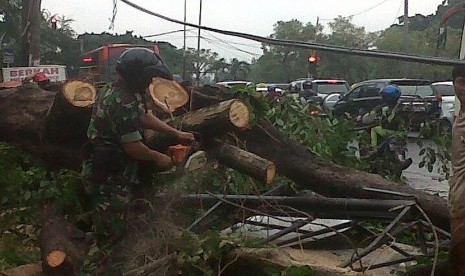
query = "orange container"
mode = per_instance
[{"x": 177, "y": 152}]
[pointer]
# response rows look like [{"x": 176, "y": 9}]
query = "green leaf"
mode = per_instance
[
  {"x": 298, "y": 271},
  {"x": 27, "y": 195}
]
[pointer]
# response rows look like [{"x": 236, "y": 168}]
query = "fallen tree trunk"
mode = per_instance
[
  {"x": 22, "y": 118},
  {"x": 326, "y": 178},
  {"x": 317, "y": 207}
]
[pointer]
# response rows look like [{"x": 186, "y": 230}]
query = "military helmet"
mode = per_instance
[{"x": 138, "y": 66}]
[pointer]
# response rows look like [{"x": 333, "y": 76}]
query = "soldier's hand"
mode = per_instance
[
  {"x": 185, "y": 137},
  {"x": 164, "y": 162}
]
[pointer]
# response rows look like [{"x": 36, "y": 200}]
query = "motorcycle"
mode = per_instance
[{"x": 390, "y": 156}]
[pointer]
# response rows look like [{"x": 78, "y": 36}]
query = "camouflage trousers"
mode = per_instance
[{"x": 457, "y": 246}]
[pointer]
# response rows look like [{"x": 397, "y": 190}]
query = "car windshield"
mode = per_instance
[
  {"x": 444, "y": 89},
  {"x": 328, "y": 88},
  {"x": 416, "y": 90}
]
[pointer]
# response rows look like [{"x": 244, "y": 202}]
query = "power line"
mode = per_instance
[
  {"x": 398, "y": 11},
  {"x": 361, "y": 12},
  {"x": 310, "y": 45},
  {"x": 229, "y": 46},
  {"x": 233, "y": 47},
  {"x": 369, "y": 9},
  {"x": 165, "y": 33},
  {"x": 112, "y": 19},
  {"x": 232, "y": 42}
]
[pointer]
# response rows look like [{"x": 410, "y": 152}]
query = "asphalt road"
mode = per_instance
[{"x": 421, "y": 178}]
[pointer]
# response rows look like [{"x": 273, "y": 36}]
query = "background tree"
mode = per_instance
[
  {"x": 344, "y": 33},
  {"x": 59, "y": 46}
]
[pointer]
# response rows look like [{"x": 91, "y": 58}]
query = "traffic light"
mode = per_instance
[
  {"x": 53, "y": 22},
  {"x": 313, "y": 59},
  {"x": 312, "y": 65}
]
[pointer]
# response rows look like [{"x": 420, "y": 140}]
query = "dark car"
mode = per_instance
[
  {"x": 419, "y": 102},
  {"x": 316, "y": 90}
]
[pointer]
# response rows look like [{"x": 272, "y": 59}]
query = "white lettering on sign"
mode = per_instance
[{"x": 53, "y": 72}]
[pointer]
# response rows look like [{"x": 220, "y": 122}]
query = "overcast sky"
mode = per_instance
[{"x": 248, "y": 16}]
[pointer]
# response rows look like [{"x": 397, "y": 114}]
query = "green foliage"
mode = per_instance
[
  {"x": 207, "y": 255},
  {"x": 291, "y": 271},
  {"x": 438, "y": 153},
  {"x": 23, "y": 191},
  {"x": 329, "y": 138},
  {"x": 15, "y": 251}
]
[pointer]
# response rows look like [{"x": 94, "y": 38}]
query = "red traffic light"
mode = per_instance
[{"x": 312, "y": 59}]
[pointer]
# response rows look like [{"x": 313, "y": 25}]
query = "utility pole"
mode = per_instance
[
  {"x": 406, "y": 35},
  {"x": 184, "y": 46},
  {"x": 31, "y": 18},
  {"x": 197, "y": 77},
  {"x": 312, "y": 58}
]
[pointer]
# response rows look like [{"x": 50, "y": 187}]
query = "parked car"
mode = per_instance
[
  {"x": 419, "y": 102},
  {"x": 317, "y": 90},
  {"x": 445, "y": 93},
  {"x": 230, "y": 84}
]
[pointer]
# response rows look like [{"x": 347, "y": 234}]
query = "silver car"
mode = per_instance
[{"x": 446, "y": 95}]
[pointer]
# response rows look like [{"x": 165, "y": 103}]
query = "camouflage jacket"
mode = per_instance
[{"x": 115, "y": 121}]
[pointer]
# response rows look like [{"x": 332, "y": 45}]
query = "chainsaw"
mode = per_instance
[{"x": 188, "y": 158}]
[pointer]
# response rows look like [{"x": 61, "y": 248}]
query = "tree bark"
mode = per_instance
[
  {"x": 246, "y": 162},
  {"x": 211, "y": 121},
  {"x": 62, "y": 245},
  {"x": 67, "y": 119},
  {"x": 326, "y": 178}
]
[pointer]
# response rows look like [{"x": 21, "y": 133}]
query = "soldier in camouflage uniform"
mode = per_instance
[{"x": 116, "y": 146}]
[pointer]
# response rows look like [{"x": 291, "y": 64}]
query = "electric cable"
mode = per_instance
[
  {"x": 211, "y": 41},
  {"x": 112, "y": 19},
  {"x": 361, "y": 12},
  {"x": 310, "y": 45},
  {"x": 398, "y": 11},
  {"x": 165, "y": 33},
  {"x": 369, "y": 9}
]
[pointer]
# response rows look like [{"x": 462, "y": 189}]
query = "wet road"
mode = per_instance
[{"x": 420, "y": 178}]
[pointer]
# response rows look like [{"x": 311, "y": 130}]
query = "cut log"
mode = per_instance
[
  {"x": 326, "y": 178},
  {"x": 34, "y": 269},
  {"x": 62, "y": 245},
  {"x": 168, "y": 95},
  {"x": 79, "y": 93},
  {"x": 246, "y": 162},
  {"x": 67, "y": 119},
  {"x": 231, "y": 115},
  {"x": 205, "y": 96}
]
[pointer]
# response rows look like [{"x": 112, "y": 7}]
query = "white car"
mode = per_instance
[
  {"x": 230, "y": 84},
  {"x": 446, "y": 95}
]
